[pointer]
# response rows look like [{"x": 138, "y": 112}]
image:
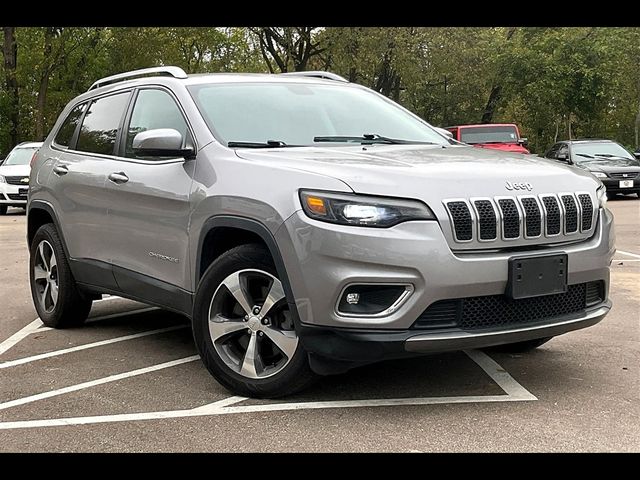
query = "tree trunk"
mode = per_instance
[
  {"x": 10, "y": 51},
  {"x": 41, "y": 100},
  {"x": 492, "y": 104}
]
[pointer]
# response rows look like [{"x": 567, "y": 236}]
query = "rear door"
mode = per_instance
[
  {"x": 148, "y": 218},
  {"x": 82, "y": 154}
]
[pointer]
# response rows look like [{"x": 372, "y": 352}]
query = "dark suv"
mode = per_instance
[{"x": 610, "y": 162}]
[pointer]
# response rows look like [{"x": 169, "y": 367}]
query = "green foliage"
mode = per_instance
[{"x": 553, "y": 82}]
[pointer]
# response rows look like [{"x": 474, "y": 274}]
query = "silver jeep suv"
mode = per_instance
[{"x": 307, "y": 225}]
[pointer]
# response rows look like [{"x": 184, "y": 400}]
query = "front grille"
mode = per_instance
[
  {"x": 487, "y": 220},
  {"x": 510, "y": 218},
  {"x": 521, "y": 217},
  {"x": 553, "y": 215},
  {"x": 475, "y": 313},
  {"x": 17, "y": 180},
  {"x": 461, "y": 218},
  {"x": 570, "y": 213},
  {"x": 16, "y": 196},
  {"x": 533, "y": 218},
  {"x": 624, "y": 175},
  {"x": 587, "y": 211}
]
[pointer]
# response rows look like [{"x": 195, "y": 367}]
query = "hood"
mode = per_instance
[
  {"x": 505, "y": 147},
  {"x": 15, "y": 170},
  {"x": 612, "y": 164},
  {"x": 428, "y": 172}
]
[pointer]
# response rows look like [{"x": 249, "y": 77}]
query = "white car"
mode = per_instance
[{"x": 14, "y": 176}]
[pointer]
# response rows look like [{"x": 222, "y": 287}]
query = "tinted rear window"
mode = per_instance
[
  {"x": 100, "y": 124},
  {"x": 68, "y": 128}
]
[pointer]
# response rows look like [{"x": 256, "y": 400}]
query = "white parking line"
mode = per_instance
[
  {"x": 514, "y": 392},
  {"x": 628, "y": 253},
  {"x": 55, "y": 353},
  {"x": 93, "y": 383},
  {"x": 19, "y": 335},
  {"x": 626, "y": 260},
  {"x": 34, "y": 326}
]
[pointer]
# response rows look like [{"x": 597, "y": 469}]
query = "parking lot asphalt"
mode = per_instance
[{"x": 129, "y": 381}]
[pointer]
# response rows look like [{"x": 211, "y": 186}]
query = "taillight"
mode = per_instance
[{"x": 33, "y": 157}]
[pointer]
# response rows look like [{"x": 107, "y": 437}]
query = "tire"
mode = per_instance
[
  {"x": 611, "y": 196},
  {"x": 521, "y": 347},
  {"x": 3, "y": 209},
  {"x": 273, "y": 374},
  {"x": 70, "y": 308}
]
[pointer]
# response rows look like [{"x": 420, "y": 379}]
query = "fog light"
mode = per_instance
[
  {"x": 372, "y": 299},
  {"x": 353, "y": 298}
]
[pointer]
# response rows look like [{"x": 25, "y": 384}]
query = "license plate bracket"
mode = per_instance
[
  {"x": 535, "y": 276},
  {"x": 625, "y": 184},
  {"x": 23, "y": 191}
]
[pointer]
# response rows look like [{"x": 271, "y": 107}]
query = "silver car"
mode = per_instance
[{"x": 307, "y": 225}]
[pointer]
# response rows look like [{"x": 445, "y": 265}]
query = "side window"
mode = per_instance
[
  {"x": 68, "y": 127},
  {"x": 154, "y": 109},
  {"x": 564, "y": 149},
  {"x": 554, "y": 150},
  {"x": 100, "y": 124}
]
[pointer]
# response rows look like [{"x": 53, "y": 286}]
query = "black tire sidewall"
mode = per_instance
[
  {"x": 72, "y": 308},
  {"x": 295, "y": 375}
]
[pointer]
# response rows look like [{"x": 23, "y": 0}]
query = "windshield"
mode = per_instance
[
  {"x": 295, "y": 114},
  {"x": 599, "y": 152},
  {"x": 20, "y": 156},
  {"x": 489, "y": 134}
]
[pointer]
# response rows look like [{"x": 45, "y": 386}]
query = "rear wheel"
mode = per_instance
[
  {"x": 244, "y": 329},
  {"x": 521, "y": 347},
  {"x": 55, "y": 294}
]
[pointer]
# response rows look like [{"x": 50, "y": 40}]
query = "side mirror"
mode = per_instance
[
  {"x": 564, "y": 157},
  {"x": 161, "y": 142},
  {"x": 524, "y": 142}
]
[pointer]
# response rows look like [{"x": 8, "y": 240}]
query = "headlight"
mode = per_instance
[
  {"x": 362, "y": 210},
  {"x": 2, "y": 180},
  {"x": 599, "y": 174},
  {"x": 601, "y": 193}
]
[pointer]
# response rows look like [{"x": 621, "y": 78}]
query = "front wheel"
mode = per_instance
[
  {"x": 3, "y": 209},
  {"x": 244, "y": 329}
]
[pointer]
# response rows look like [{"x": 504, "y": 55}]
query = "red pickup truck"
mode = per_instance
[{"x": 499, "y": 136}]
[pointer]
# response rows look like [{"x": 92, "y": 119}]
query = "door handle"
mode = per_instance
[
  {"x": 60, "y": 170},
  {"x": 118, "y": 177}
]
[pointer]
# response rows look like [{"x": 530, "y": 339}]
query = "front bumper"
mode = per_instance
[
  {"x": 321, "y": 259},
  {"x": 349, "y": 347},
  {"x": 10, "y": 195},
  {"x": 613, "y": 185}
]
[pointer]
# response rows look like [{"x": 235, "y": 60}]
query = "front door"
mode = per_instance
[{"x": 148, "y": 215}]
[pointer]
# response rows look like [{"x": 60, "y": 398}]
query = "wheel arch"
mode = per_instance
[
  {"x": 248, "y": 230},
  {"x": 40, "y": 213}
]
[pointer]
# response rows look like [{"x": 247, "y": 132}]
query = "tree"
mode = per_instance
[
  {"x": 290, "y": 48},
  {"x": 10, "y": 54}
]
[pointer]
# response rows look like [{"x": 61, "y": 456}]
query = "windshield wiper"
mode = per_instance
[
  {"x": 369, "y": 138},
  {"x": 586, "y": 155},
  {"x": 267, "y": 144}
]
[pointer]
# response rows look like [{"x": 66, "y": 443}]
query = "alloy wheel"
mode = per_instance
[{"x": 45, "y": 275}]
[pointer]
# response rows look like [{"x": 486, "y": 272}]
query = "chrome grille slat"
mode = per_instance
[
  {"x": 511, "y": 218},
  {"x": 483, "y": 220},
  {"x": 570, "y": 213}
]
